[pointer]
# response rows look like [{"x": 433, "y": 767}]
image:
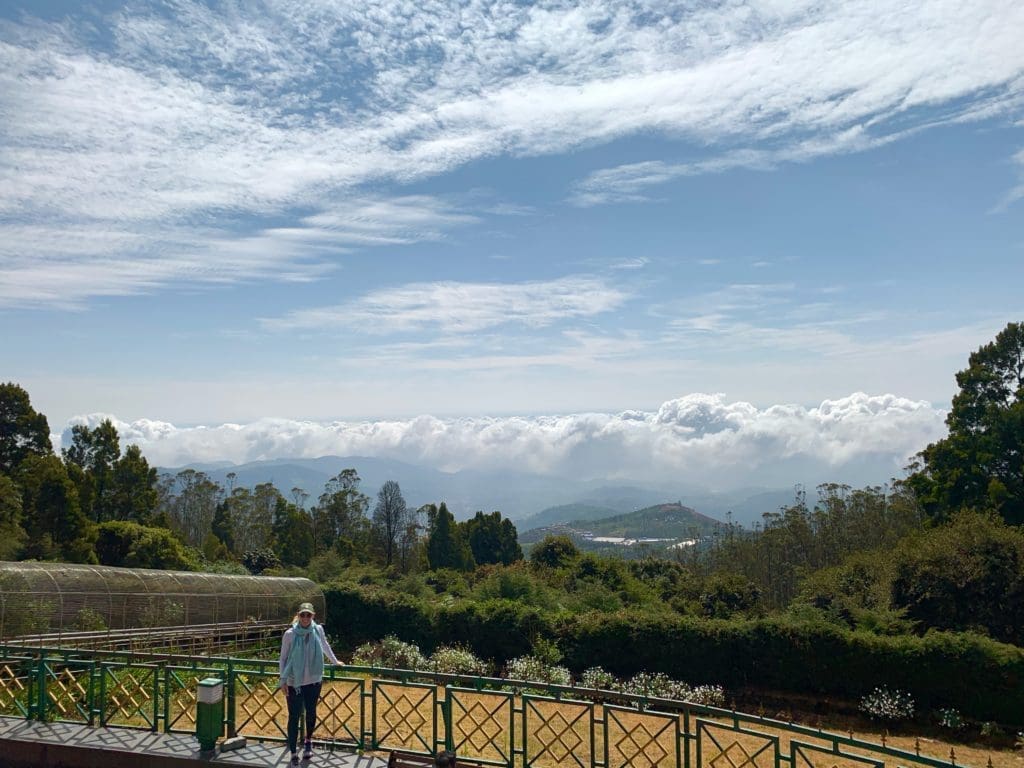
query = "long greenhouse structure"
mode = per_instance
[{"x": 93, "y": 605}]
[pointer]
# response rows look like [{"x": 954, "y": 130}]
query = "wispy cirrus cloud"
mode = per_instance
[
  {"x": 630, "y": 183},
  {"x": 458, "y": 307},
  {"x": 136, "y": 122},
  {"x": 65, "y": 266}
]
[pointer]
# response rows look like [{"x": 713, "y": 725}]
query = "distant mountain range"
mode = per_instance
[{"x": 530, "y": 500}]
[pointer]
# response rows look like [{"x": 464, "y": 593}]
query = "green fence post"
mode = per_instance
[
  {"x": 32, "y": 675},
  {"x": 100, "y": 707},
  {"x": 165, "y": 695},
  {"x": 231, "y": 682},
  {"x": 446, "y": 714},
  {"x": 156, "y": 697},
  {"x": 41, "y": 702}
]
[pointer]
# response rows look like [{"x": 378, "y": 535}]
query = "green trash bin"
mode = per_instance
[{"x": 209, "y": 713}]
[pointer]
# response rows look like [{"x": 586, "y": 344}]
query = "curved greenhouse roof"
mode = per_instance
[{"x": 47, "y": 597}]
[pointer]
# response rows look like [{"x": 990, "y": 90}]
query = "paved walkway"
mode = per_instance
[{"x": 29, "y": 743}]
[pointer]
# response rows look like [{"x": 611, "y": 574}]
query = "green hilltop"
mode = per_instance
[{"x": 671, "y": 522}]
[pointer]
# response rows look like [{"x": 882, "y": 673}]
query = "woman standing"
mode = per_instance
[{"x": 303, "y": 648}]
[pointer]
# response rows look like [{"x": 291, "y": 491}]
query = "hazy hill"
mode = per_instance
[
  {"x": 514, "y": 494},
  {"x": 663, "y": 521},
  {"x": 419, "y": 484},
  {"x": 528, "y": 499},
  {"x": 563, "y": 513},
  {"x": 672, "y": 522}
]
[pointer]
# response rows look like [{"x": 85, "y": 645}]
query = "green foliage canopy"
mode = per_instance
[
  {"x": 980, "y": 463},
  {"x": 23, "y": 431},
  {"x": 492, "y": 539},
  {"x": 554, "y": 552},
  {"x": 967, "y": 575},
  {"x": 131, "y": 545},
  {"x": 55, "y": 524},
  {"x": 446, "y": 541}
]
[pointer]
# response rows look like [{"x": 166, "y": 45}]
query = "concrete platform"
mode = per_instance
[{"x": 25, "y": 743}]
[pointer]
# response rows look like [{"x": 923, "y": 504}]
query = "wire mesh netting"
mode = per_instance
[{"x": 37, "y": 598}]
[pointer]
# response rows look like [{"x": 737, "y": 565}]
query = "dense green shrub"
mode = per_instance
[
  {"x": 446, "y": 581},
  {"x": 554, "y": 552},
  {"x": 325, "y": 567},
  {"x": 513, "y": 583},
  {"x": 131, "y": 545},
  {"x": 966, "y": 575},
  {"x": 804, "y": 657},
  {"x": 668, "y": 582},
  {"x": 258, "y": 561},
  {"x": 729, "y": 594},
  {"x": 495, "y": 629},
  {"x": 359, "y": 613}
]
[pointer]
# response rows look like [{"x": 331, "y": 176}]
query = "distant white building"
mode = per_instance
[
  {"x": 683, "y": 544},
  {"x": 622, "y": 541}
]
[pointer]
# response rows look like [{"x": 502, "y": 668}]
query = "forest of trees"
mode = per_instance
[{"x": 97, "y": 503}]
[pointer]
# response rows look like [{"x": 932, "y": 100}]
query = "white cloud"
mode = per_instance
[
  {"x": 194, "y": 112},
  {"x": 628, "y": 183},
  {"x": 637, "y": 262},
  {"x": 65, "y": 266},
  {"x": 453, "y": 307},
  {"x": 699, "y": 439}
]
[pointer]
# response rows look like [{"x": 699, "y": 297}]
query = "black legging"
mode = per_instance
[{"x": 306, "y": 698}]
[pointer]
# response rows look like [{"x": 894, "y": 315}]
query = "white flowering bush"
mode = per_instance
[
  {"x": 889, "y": 705},
  {"x": 707, "y": 695},
  {"x": 951, "y": 719},
  {"x": 656, "y": 684},
  {"x": 598, "y": 677},
  {"x": 536, "y": 670},
  {"x": 390, "y": 652},
  {"x": 454, "y": 660}
]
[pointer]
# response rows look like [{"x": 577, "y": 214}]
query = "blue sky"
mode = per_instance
[{"x": 704, "y": 234}]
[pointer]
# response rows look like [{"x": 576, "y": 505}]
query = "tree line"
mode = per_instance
[{"x": 97, "y": 503}]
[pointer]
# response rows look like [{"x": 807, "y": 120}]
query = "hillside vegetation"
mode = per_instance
[{"x": 654, "y": 531}]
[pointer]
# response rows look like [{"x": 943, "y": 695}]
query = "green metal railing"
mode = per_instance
[{"x": 500, "y": 722}]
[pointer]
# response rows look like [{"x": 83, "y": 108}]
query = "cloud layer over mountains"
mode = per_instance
[{"x": 698, "y": 440}]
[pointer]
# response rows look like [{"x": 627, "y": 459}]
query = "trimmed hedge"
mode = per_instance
[
  {"x": 981, "y": 677},
  {"x": 494, "y": 629},
  {"x": 362, "y": 614}
]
